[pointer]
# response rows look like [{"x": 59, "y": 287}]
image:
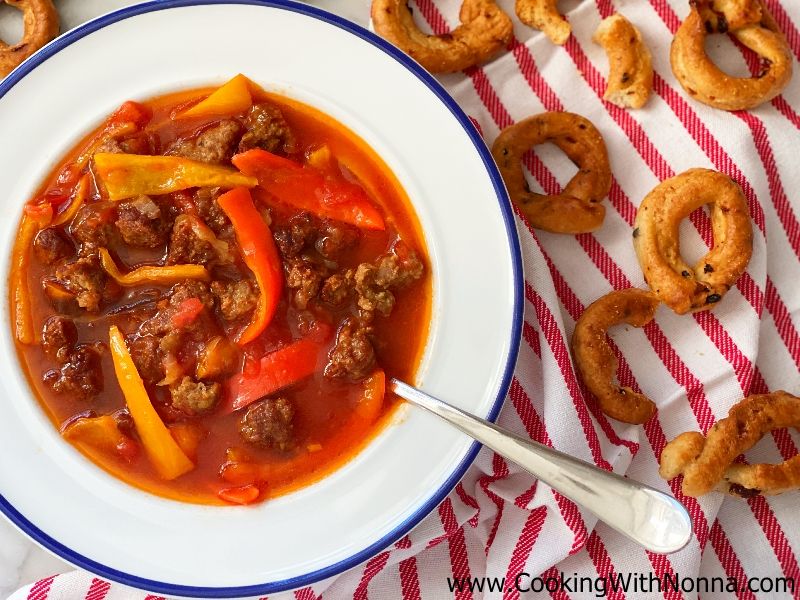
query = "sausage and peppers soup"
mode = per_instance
[{"x": 211, "y": 290}]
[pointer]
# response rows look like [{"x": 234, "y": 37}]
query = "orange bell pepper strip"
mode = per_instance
[
  {"x": 231, "y": 98},
  {"x": 260, "y": 255},
  {"x": 309, "y": 189},
  {"x": 100, "y": 434},
  {"x": 131, "y": 175},
  {"x": 369, "y": 406},
  {"x": 34, "y": 218},
  {"x": 163, "y": 451},
  {"x": 128, "y": 118},
  {"x": 151, "y": 274},
  {"x": 78, "y": 198}
]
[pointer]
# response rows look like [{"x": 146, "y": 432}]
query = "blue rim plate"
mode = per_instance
[{"x": 514, "y": 335}]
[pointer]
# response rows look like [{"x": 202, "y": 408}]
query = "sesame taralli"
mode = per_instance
[
  {"x": 630, "y": 77},
  {"x": 707, "y": 462},
  {"x": 577, "y": 208},
  {"x": 597, "y": 362},
  {"x": 40, "y": 21},
  {"x": 682, "y": 287},
  {"x": 484, "y": 31},
  {"x": 752, "y": 25}
]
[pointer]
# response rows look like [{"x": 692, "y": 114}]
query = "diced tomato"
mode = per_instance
[
  {"x": 131, "y": 112},
  {"x": 246, "y": 494},
  {"x": 188, "y": 311}
]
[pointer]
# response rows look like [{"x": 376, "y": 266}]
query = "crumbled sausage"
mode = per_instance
[
  {"x": 236, "y": 298},
  {"x": 139, "y": 143},
  {"x": 214, "y": 145},
  {"x": 268, "y": 423},
  {"x": 353, "y": 355},
  {"x": 334, "y": 238},
  {"x": 141, "y": 223},
  {"x": 147, "y": 357},
  {"x": 293, "y": 238},
  {"x": 267, "y": 129},
  {"x": 195, "y": 397},
  {"x": 337, "y": 288},
  {"x": 93, "y": 225},
  {"x": 186, "y": 246},
  {"x": 399, "y": 268},
  {"x": 51, "y": 246},
  {"x": 191, "y": 288},
  {"x": 371, "y": 296},
  {"x": 394, "y": 270},
  {"x": 81, "y": 376},
  {"x": 59, "y": 336},
  {"x": 86, "y": 280},
  {"x": 305, "y": 278},
  {"x": 205, "y": 200}
]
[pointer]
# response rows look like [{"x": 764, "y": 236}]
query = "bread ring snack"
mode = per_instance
[
  {"x": 484, "y": 31},
  {"x": 40, "y": 21},
  {"x": 706, "y": 82},
  {"x": 544, "y": 15},
  {"x": 630, "y": 77},
  {"x": 656, "y": 239},
  {"x": 707, "y": 463},
  {"x": 728, "y": 15},
  {"x": 596, "y": 361},
  {"x": 577, "y": 208}
]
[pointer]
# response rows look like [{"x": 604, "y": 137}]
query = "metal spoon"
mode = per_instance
[{"x": 643, "y": 514}]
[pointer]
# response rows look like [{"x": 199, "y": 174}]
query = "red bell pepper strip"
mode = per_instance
[
  {"x": 277, "y": 370},
  {"x": 260, "y": 255},
  {"x": 309, "y": 189}
]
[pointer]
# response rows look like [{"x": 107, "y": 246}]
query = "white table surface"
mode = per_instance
[{"x": 21, "y": 561}]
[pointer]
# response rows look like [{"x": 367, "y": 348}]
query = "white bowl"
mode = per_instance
[{"x": 73, "y": 508}]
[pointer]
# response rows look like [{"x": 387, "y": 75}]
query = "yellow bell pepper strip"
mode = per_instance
[
  {"x": 131, "y": 175},
  {"x": 163, "y": 451},
  {"x": 260, "y": 255},
  {"x": 230, "y": 99},
  {"x": 34, "y": 218},
  {"x": 151, "y": 274},
  {"x": 100, "y": 434},
  {"x": 309, "y": 189},
  {"x": 78, "y": 198}
]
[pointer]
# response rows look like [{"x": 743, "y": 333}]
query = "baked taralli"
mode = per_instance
[{"x": 630, "y": 76}]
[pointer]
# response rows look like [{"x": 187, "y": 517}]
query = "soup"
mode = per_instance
[{"x": 211, "y": 290}]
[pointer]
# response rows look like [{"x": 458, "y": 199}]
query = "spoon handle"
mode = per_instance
[{"x": 645, "y": 515}]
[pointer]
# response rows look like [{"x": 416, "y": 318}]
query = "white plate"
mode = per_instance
[{"x": 91, "y": 519}]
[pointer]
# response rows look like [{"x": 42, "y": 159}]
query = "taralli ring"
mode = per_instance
[
  {"x": 577, "y": 209},
  {"x": 595, "y": 359},
  {"x": 484, "y": 31},
  {"x": 706, "y": 82},
  {"x": 722, "y": 16},
  {"x": 630, "y": 77},
  {"x": 40, "y": 22},
  {"x": 655, "y": 239},
  {"x": 544, "y": 15},
  {"x": 707, "y": 463}
]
